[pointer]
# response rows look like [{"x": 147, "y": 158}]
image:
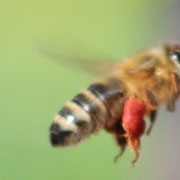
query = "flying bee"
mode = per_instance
[{"x": 119, "y": 100}]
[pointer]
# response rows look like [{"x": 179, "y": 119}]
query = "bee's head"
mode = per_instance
[{"x": 173, "y": 54}]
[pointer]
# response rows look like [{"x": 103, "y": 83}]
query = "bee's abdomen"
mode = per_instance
[
  {"x": 111, "y": 94},
  {"x": 84, "y": 114}
]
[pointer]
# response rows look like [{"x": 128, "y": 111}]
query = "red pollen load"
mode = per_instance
[{"x": 132, "y": 120}]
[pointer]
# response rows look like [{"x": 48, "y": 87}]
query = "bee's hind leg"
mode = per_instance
[
  {"x": 153, "y": 115},
  {"x": 134, "y": 144},
  {"x": 122, "y": 143}
]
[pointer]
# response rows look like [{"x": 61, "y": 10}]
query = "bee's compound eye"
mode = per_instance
[{"x": 175, "y": 56}]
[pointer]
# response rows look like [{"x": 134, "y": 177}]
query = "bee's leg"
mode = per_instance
[
  {"x": 151, "y": 98},
  {"x": 134, "y": 144},
  {"x": 115, "y": 128},
  {"x": 122, "y": 143},
  {"x": 134, "y": 124},
  {"x": 171, "y": 106},
  {"x": 174, "y": 81},
  {"x": 153, "y": 115}
]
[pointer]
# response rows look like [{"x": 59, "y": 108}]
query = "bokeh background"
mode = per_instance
[{"x": 33, "y": 86}]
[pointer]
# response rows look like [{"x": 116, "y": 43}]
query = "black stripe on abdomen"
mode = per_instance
[
  {"x": 90, "y": 106},
  {"x": 111, "y": 94},
  {"x": 81, "y": 121}
]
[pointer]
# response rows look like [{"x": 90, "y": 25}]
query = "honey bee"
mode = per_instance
[{"x": 119, "y": 100}]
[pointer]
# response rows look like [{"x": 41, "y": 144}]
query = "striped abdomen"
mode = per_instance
[{"x": 87, "y": 112}]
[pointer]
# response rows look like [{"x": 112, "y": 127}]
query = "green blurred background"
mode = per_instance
[{"x": 33, "y": 87}]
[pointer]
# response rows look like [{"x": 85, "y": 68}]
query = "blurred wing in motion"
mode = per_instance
[{"x": 94, "y": 67}]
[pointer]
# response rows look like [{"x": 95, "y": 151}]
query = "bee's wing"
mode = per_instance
[{"x": 94, "y": 67}]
